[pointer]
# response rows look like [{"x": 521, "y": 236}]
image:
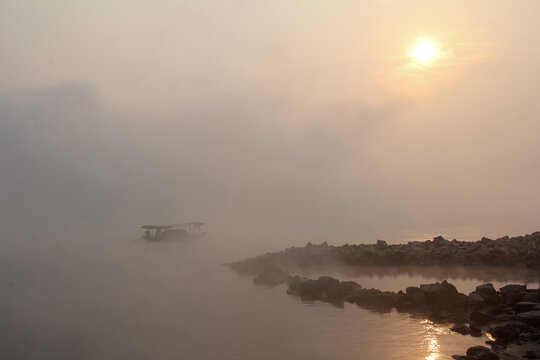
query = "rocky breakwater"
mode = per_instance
[
  {"x": 510, "y": 317},
  {"x": 520, "y": 251}
]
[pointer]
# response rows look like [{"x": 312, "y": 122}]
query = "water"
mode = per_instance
[{"x": 136, "y": 300}]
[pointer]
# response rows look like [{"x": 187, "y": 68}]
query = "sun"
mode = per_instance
[{"x": 424, "y": 51}]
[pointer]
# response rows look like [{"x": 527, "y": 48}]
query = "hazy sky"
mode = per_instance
[{"x": 284, "y": 120}]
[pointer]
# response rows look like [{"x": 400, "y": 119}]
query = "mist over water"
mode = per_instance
[
  {"x": 275, "y": 123},
  {"x": 139, "y": 300}
]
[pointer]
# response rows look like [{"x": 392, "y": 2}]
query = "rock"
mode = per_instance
[
  {"x": 532, "y": 354},
  {"x": 498, "y": 347},
  {"x": 530, "y": 317},
  {"x": 461, "y": 329},
  {"x": 350, "y": 288},
  {"x": 481, "y": 353},
  {"x": 524, "y": 306},
  {"x": 516, "y": 251},
  {"x": 476, "y": 299},
  {"x": 271, "y": 276},
  {"x": 382, "y": 301},
  {"x": 475, "y": 330},
  {"x": 530, "y": 296},
  {"x": 381, "y": 245},
  {"x": 486, "y": 290},
  {"x": 437, "y": 290},
  {"x": 440, "y": 241},
  {"x": 414, "y": 295},
  {"x": 511, "y": 289},
  {"x": 478, "y": 317},
  {"x": 507, "y": 333}
]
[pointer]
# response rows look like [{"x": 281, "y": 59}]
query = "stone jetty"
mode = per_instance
[
  {"x": 520, "y": 251},
  {"x": 510, "y": 316}
]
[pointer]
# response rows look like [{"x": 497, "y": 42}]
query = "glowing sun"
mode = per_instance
[{"x": 424, "y": 51}]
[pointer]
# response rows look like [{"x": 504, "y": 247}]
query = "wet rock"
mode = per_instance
[
  {"x": 506, "y": 333},
  {"x": 461, "y": 329},
  {"x": 498, "y": 347},
  {"x": 476, "y": 331},
  {"x": 481, "y": 353},
  {"x": 382, "y": 301}
]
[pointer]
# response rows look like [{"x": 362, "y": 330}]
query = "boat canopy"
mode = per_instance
[{"x": 194, "y": 224}]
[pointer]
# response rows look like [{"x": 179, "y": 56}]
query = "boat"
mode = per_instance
[{"x": 184, "y": 231}]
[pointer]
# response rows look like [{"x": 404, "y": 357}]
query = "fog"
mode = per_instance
[
  {"x": 266, "y": 126},
  {"x": 276, "y": 124}
]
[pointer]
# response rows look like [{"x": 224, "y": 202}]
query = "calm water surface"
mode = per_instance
[{"x": 135, "y": 300}]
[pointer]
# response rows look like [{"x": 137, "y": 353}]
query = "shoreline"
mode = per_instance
[{"x": 509, "y": 316}]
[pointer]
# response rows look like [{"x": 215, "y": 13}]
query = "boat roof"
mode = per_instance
[
  {"x": 151, "y": 227},
  {"x": 172, "y": 226}
]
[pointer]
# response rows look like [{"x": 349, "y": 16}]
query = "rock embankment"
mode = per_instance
[
  {"x": 520, "y": 251},
  {"x": 511, "y": 315}
]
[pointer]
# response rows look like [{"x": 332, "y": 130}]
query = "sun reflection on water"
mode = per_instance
[{"x": 431, "y": 341}]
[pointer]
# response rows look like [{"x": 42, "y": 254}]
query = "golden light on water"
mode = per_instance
[
  {"x": 424, "y": 51},
  {"x": 431, "y": 340}
]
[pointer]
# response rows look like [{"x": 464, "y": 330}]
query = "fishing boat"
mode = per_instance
[{"x": 184, "y": 231}]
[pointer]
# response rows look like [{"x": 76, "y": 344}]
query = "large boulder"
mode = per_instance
[
  {"x": 381, "y": 245},
  {"x": 481, "y": 353},
  {"x": 437, "y": 290},
  {"x": 461, "y": 329},
  {"x": 486, "y": 290},
  {"x": 512, "y": 289},
  {"x": 415, "y": 295},
  {"x": 506, "y": 333},
  {"x": 440, "y": 241},
  {"x": 374, "y": 299}
]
